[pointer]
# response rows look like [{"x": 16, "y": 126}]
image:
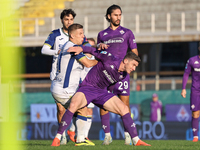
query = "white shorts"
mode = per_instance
[
  {"x": 90, "y": 105},
  {"x": 64, "y": 101}
]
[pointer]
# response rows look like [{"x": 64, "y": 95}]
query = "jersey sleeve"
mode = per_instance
[
  {"x": 131, "y": 40},
  {"x": 52, "y": 38},
  {"x": 186, "y": 74},
  {"x": 99, "y": 38}
]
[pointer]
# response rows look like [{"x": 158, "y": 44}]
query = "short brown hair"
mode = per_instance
[
  {"x": 131, "y": 55},
  {"x": 74, "y": 27}
]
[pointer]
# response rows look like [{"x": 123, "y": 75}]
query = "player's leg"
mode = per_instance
[
  {"x": 115, "y": 105},
  {"x": 77, "y": 101},
  {"x": 71, "y": 132},
  {"x": 105, "y": 122},
  {"x": 195, "y": 125},
  {"x": 89, "y": 119},
  {"x": 195, "y": 107},
  {"x": 125, "y": 100}
]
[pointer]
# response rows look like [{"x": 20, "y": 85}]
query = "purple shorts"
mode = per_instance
[
  {"x": 95, "y": 95},
  {"x": 194, "y": 101},
  {"x": 121, "y": 87}
]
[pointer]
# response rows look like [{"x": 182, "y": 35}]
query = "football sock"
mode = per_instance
[
  {"x": 105, "y": 122},
  {"x": 195, "y": 125},
  {"x": 88, "y": 125},
  {"x": 65, "y": 122},
  {"x": 80, "y": 123},
  {"x": 73, "y": 127},
  {"x": 129, "y": 125}
]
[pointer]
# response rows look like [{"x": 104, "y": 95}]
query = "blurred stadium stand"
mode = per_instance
[{"x": 167, "y": 33}]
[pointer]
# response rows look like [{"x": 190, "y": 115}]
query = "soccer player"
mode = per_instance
[
  {"x": 88, "y": 123},
  {"x": 193, "y": 66},
  {"x": 68, "y": 74},
  {"x": 52, "y": 46},
  {"x": 118, "y": 39},
  {"x": 108, "y": 71},
  {"x": 156, "y": 108}
]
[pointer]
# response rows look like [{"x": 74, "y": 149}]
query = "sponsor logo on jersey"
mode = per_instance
[
  {"x": 196, "y": 62},
  {"x": 61, "y": 39},
  {"x": 114, "y": 40},
  {"x": 121, "y": 76},
  {"x": 108, "y": 76},
  {"x": 103, "y": 52},
  {"x": 111, "y": 66},
  {"x": 122, "y": 32},
  {"x": 124, "y": 92},
  {"x": 197, "y": 69},
  {"x": 105, "y": 33}
]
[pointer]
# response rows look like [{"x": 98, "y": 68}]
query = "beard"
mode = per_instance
[{"x": 115, "y": 24}]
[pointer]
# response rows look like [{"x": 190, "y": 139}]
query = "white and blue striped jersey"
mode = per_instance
[
  {"x": 56, "y": 39},
  {"x": 68, "y": 72}
]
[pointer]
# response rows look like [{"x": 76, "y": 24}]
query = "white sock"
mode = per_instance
[
  {"x": 64, "y": 134},
  {"x": 135, "y": 140},
  {"x": 107, "y": 134},
  {"x": 88, "y": 125},
  {"x": 73, "y": 127},
  {"x": 80, "y": 123},
  {"x": 126, "y": 134},
  {"x": 58, "y": 136}
]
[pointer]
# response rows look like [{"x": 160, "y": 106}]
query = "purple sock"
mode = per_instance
[
  {"x": 65, "y": 122},
  {"x": 105, "y": 122},
  {"x": 129, "y": 125},
  {"x": 195, "y": 125}
]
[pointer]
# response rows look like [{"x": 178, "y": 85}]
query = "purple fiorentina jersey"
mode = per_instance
[
  {"x": 119, "y": 40},
  {"x": 156, "y": 109},
  {"x": 105, "y": 72},
  {"x": 193, "y": 66}
]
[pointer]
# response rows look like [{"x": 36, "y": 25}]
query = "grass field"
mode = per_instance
[{"x": 115, "y": 145}]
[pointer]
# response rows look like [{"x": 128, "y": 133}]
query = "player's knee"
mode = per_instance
[
  {"x": 124, "y": 110},
  {"x": 61, "y": 110},
  {"x": 195, "y": 115}
]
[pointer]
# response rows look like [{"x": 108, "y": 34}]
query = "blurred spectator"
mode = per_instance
[{"x": 156, "y": 108}]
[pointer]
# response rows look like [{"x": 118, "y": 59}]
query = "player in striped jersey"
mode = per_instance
[
  {"x": 52, "y": 46},
  {"x": 68, "y": 75}
]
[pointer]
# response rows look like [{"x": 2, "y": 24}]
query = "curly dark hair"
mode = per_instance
[
  {"x": 110, "y": 10},
  {"x": 67, "y": 12}
]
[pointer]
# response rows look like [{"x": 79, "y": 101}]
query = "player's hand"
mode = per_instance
[
  {"x": 183, "y": 93},
  {"x": 102, "y": 46},
  {"x": 59, "y": 52},
  {"x": 77, "y": 50}
]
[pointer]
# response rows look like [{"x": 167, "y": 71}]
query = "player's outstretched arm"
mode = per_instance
[
  {"x": 183, "y": 93},
  {"x": 46, "y": 50},
  {"x": 77, "y": 50},
  {"x": 88, "y": 63},
  {"x": 102, "y": 46}
]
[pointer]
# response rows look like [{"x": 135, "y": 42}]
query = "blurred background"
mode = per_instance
[{"x": 167, "y": 34}]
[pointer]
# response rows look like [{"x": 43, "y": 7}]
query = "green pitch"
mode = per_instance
[{"x": 115, "y": 145}]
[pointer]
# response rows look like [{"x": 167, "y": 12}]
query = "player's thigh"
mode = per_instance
[
  {"x": 115, "y": 105},
  {"x": 62, "y": 103},
  {"x": 60, "y": 108},
  {"x": 124, "y": 99},
  {"x": 78, "y": 101}
]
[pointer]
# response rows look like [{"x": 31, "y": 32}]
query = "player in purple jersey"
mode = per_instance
[
  {"x": 156, "y": 108},
  {"x": 108, "y": 71},
  {"x": 118, "y": 39},
  {"x": 193, "y": 66}
]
